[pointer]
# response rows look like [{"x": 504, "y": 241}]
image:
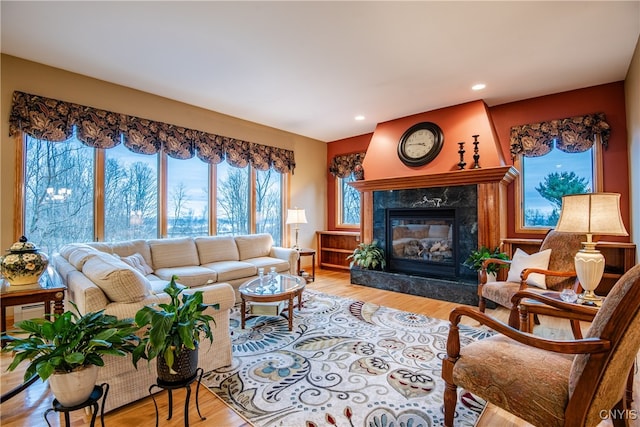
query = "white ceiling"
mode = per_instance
[{"x": 310, "y": 67}]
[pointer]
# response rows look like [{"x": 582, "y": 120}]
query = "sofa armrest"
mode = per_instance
[
  {"x": 218, "y": 293},
  {"x": 84, "y": 293},
  {"x": 287, "y": 254}
]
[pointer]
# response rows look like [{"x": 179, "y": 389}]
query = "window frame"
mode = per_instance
[
  {"x": 339, "y": 208},
  {"x": 519, "y": 187}
]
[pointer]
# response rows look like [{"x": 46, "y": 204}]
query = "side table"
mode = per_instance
[
  {"x": 169, "y": 386},
  {"x": 99, "y": 391},
  {"x": 312, "y": 253}
]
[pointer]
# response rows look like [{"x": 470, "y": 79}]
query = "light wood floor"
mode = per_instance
[{"x": 27, "y": 408}]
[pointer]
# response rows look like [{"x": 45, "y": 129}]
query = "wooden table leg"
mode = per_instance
[{"x": 291, "y": 296}]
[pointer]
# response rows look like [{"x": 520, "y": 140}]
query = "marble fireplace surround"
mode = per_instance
[{"x": 454, "y": 187}]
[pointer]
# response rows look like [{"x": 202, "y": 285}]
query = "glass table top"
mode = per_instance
[{"x": 268, "y": 286}]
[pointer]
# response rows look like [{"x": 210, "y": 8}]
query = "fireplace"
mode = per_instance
[
  {"x": 422, "y": 241},
  {"x": 471, "y": 203}
]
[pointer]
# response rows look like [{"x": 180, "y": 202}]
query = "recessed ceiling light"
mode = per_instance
[
  {"x": 478, "y": 86},
  {"x": 359, "y": 117}
]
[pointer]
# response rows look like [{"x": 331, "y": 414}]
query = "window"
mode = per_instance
[
  {"x": 58, "y": 199},
  {"x": 348, "y": 202},
  {"x": 187, "y": 197},
  {"x": 232, "y": 199},
  {"x": 545, "y": 179},
  {"x": 269, "y": 204},
  {"x": 130, "y": 195}
]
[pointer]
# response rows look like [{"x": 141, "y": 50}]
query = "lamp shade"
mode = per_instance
[
  {"x": 592, "y": 213},
  {"x": 296, "y": 216}
]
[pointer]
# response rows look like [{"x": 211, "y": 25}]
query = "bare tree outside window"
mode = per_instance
[
  {"x": 131, "y": 195},
  {"x": 58, "y": 193},
  {"x": 269, "y": 204},
  {"x": 232, "y": 200}
]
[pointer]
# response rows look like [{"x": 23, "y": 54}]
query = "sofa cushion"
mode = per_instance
[
  {"x": 130, "y": 247},
  {"x": 118, "y": 281},
  {"x": 254, "y": 245},
  {"x": 189, "y": 276},
  {"x": 66, "y": 250},
  {"x": 522, "y": 260},
  {"x": 80, "y": 255},
  {"x": 167, "y": 253},
  {"x": 217, "y": 248},
  {"x": 138, "y": 262},
  {"x": 267, "y": 262},
  {"x": 231, "y": 270}
]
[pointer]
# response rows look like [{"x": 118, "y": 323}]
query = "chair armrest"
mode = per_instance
[
  {"x": 485, "y": 264},
  {"x": 585, "y": 345}
]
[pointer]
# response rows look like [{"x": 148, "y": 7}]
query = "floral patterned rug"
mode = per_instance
[{"x": 346, "y": 363}]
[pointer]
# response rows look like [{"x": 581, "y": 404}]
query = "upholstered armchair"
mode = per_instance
[
  {"x": 556, "y": 275},
  {"x": 547, "y": 382}
]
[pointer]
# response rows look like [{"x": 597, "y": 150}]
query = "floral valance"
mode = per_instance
[
  {"x": 572, "y": 135},
  {"x": 53, "y": 120},
  {"x": 342, "y": 166}
]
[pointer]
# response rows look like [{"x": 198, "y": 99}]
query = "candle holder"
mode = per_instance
[
  {"x": 476, "y": 156},
  {"x": 461, "y": 163}
]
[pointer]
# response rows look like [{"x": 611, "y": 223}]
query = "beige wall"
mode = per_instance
[
  {"x": 632, "y": 95},
  {"x": 307, "y": 185}
]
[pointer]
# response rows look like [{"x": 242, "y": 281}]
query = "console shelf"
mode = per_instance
[{"x": 334, "y": 247}]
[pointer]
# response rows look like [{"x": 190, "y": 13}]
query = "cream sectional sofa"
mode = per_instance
[{"x": 122, "y": 277}]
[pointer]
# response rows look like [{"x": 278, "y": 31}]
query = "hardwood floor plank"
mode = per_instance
[{"x": 27, "y": 408}]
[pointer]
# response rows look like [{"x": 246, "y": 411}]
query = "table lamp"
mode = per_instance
[
  {"x": 296, "y": 216},
  {"x": 592, "y": 213}
]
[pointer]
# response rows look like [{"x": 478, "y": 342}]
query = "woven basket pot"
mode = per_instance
[{"x": 184, "y": 366}]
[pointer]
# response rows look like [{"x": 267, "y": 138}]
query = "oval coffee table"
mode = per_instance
[{"x": 285, "y": 287}]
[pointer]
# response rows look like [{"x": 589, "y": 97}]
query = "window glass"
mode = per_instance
[
  {"x": 232, "y": 199},
  {"x": 58, "y": 193},
  {"x": 547, "y": 178},
  {"x": 348, "y": 202},
  {"x": 269, "y": 204},
  {"x": 187, "y": 197},
  {"x": 130, "y": 195}
]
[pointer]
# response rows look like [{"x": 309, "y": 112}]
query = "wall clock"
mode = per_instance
[{"x": 420, "y": 144}]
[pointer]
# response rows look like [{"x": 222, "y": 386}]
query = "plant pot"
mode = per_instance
[
  {"x": 73, "y": 388},
  {"x": 492, "y": 277},
  {"x": 184, "y": 366}
]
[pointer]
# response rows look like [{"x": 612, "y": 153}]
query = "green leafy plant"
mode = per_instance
[
  {"x": 476, "y": 258},
  {"x": 368, "y": 256},
  {"x": 173, "y": 327},
  {"x": 69, "y": 341}
]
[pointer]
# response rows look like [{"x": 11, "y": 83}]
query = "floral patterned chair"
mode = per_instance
[
  {"x": 559, "y": 274},
  {"x": 565, "y": 383}
]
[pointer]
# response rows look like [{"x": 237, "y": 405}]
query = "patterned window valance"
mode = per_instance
[
  {"x": 572, "y": 135},
  {"x": 53, "y": 120},
  {"x": 342, "y": 166}
]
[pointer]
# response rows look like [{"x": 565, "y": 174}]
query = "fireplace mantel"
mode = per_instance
[{"x": 492, "y": 197}]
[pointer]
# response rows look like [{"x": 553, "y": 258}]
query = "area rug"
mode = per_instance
[{"x": 346, "y": 363}]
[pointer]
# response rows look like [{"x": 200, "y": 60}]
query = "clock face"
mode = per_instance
[{"x": 420, "y": 144}]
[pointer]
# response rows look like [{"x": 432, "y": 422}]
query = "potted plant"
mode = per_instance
[
  {"x": 67, "y": 349},
  {"x": 368, "y": 256},
  {"x": 476, "y": 259},
  {"x": 173, "y": 333}
]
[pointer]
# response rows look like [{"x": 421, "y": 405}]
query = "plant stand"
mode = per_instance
[
  {"x": 169, "y": 386},
  {"x": 99, "y": 391}
]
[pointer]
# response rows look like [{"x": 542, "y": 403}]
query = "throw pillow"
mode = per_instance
[
  {"x": 522, "y": 260},
  {"x": 137, "y": 261}
]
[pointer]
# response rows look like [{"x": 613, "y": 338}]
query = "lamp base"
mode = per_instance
[{"x": 590, "y": 296}]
